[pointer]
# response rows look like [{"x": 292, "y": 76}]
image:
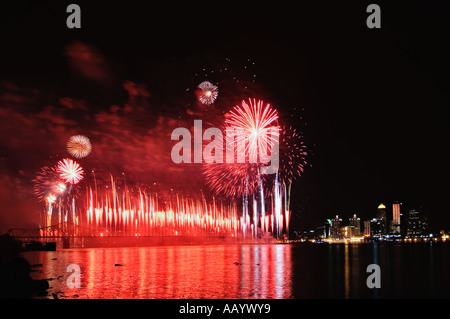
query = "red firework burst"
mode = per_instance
[
  {"x": 293, "y": 155},
  {"x": 47, "y": 182},
  {"x": 70, "y": 171},
  {"x": 232, "y": 179},
  {"x": 256, "y": 126},
  {"x": 79, "y": 146},
  {"x": 207, "y": 92}
]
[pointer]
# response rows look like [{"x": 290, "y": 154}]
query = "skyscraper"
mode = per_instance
[
  {"x": 396, "y": 219},
  {"x": 367, "y": 230},
  {"x": 396, "y": 214},
  {"x": 381, "y": 212},
  {"x": 335, "y": 229},
  {"x": 416, "y": 223},
  {"x": 381, "y": 217},
  {"x": 355, "y": 222},
  {"x": 373, "y": 227}
]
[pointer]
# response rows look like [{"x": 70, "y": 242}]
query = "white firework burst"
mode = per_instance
[
  {"x": 208, "y": 93},
  {"x": 79, "y": 146}
]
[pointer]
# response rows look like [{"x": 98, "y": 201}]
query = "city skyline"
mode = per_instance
[{"x": 386, "y": 224}]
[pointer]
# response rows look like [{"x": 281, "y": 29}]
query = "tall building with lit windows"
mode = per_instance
[
  {"x": 416, "y": 223},
  {"x": 396, "y": 214},
  {"x": 395, "y": 229},
  {"x": 355, "y": 222},
  {"x": 373, "y": 228},
  {"x": 381, "y": 212},
  {"x": 335, "y": 229},
  {"x": 382, "y": 218}
]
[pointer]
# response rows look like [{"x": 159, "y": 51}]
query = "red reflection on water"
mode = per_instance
[{"x": 223, "y": 271}]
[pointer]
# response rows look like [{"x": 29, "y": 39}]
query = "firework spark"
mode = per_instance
[
  {"x": 70, "y": 171},
  {"x": 79, "y": 146},
  {"x": 207, "y": 93}
]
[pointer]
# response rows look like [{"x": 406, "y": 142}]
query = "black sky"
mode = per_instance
[{"x": 373, "y": 102}]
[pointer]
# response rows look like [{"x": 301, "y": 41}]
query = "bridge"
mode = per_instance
[
  {"x": 54, "y": 231},
  {"x": 71, "y": 231},
  {"x": 86, "y": 238}
]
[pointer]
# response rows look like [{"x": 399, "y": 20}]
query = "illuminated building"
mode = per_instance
[
  {"x": 396, "y": 214},
  {"x": 347, "y": 231},
  {"x": 324, "y": 231},
  {"x": 356, "y": 223},
  {"x": 373, "y": 228},
  {"x": 367, "y": 228},
  {"x": 381, "y": 217},
  {"x": 396, "y": 219},
  {"x": 335, "y": 229},
  {"x": 416, "y": 224}
]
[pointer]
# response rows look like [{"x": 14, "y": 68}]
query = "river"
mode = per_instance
[{"x": 253, "y": 271}]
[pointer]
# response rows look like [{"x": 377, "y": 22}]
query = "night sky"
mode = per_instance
[{"x": 371, "y": 103}]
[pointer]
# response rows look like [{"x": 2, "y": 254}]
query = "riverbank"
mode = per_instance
[{"x": 15, "y": 270}]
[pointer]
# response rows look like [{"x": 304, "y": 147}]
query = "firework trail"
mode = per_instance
[
  {"x": 70, "y": 171},
  {"x": 139, "y": 213},
  {"x": 79, "y": 146},
  {"x": 207, "y": 92}
]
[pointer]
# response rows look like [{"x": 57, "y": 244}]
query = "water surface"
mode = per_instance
[{"x": 249, "y": 271}]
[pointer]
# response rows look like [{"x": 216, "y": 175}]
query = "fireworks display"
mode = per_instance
[
  {"x": 51, "y": 188},
  {"x": 255, "y": 204},
  {"x": 255, "y": 136},
  {"x": 207, "y": 92},
  {"x": 130, "y": 212},
  {"x": 247, "y": 202},
  {"x": 79, "y": 146},
  {"x": 145, "y": 214},
  {"x": 70, "y": 171}
]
